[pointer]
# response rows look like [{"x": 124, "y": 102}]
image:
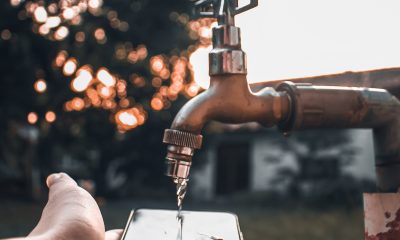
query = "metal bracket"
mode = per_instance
[{"x": 210, "y": 8}]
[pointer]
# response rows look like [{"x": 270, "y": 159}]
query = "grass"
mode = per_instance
[
  {"x": 303, "y": 224},
  {"x": 257, "y": 223}
]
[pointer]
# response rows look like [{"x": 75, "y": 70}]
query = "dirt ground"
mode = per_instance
[{"x": 257, "y": 223}]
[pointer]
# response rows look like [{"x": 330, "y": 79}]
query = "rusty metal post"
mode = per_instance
[{"x": 382, "y": 216}]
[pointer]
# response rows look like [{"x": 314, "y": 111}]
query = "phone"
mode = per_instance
[{"x": 153, "y": 224}]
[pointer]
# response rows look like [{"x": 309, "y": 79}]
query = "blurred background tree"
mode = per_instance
[{"x": 87, "y": 88}]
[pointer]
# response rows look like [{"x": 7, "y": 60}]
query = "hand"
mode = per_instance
[{"x": 70, "y": 214}]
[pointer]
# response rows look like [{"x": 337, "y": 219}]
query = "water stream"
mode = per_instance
[{"x": 181, "y": 189}]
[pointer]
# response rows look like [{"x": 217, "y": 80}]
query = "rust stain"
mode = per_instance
[{"x": 392, "y": 234}]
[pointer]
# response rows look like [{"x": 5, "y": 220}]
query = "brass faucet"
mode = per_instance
[{"x": 289, "y": 106}]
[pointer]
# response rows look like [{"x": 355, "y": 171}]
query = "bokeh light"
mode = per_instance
[
  {"x": 6, "y": 34},
  {"x": 80, "y": 36},
  {"x": 40, "y": 14},
  {"x": 100, "y": 88},
  {"x": 104, "y": 76},
  {"x": 105, "y": 92},
  {"x": 61, "y": 58},
  {"x": 100, "y": 35},
  {"x": 156, "y": 104},
  {"x": 15, "y": 3},
  {"x": 78, "y": 104},
  {"x": 157, "y": 63},
  {"x": 68, "y": 13},
  {"x": 32, "y": 118},
  {"x": 40, "y": 86},
  {"x": 95, "y": 3},
  {"x": 52, "y": 22},
  {"x": 70, "y": 67},
  {"x": 44, "y": 30},
  {"x": 127, "y": 119},
  {"x": 83, "y": 79},
  {"x": 61, "y": 33},
  {"x": 50, "y": 116}
]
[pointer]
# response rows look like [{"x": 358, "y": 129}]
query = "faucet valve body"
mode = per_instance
[
  {"x": 180, "y": 152},
  {"x": 227, "y": 57}
]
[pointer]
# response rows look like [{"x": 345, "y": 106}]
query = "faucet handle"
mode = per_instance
[
  {"x": 212, "y": 8},
  {"x": 204, "y": 8},
  {"x": 252, "y": 4}
]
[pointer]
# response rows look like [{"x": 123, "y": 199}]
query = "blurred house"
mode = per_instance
[{"x": 249, "y": 159}]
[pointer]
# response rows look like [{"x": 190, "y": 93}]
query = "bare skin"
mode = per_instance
[{"x": 70, "y": 213}]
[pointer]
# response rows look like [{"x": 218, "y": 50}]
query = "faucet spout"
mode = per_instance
[{"x": 228, "y": 100}]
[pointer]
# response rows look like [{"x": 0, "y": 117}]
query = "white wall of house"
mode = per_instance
[
  {"x": 202, "y": 179},
  {"x": 267, "y": 157},
  {"x": 363, "y": 166}
]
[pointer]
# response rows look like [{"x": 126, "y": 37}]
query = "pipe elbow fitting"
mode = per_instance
[{"x": 351, "y": 107}]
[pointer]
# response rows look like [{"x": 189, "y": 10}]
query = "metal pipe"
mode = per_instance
[
  {"x": 349, "y": 107},
  {"x": 388, "y": 79}
]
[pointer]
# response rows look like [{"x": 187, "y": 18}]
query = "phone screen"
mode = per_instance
[{"x": 153, "y": 224}]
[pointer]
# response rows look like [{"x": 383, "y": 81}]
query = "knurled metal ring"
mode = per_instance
[
  {"x": 290, "y": 88},
  {"x": 181, "y": 138}
]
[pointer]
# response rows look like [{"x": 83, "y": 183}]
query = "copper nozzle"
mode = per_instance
[{"x": 180, "y": 152}]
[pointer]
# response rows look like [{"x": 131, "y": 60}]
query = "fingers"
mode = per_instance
[
  {"x": 61, "y": 186},
  {"x": 59, "y": 177},
  {"x": 115, "y": 234},
  {"x": 70, "y": 213}
]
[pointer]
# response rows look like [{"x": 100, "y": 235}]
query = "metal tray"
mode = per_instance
[{"x": 154, "y": 224}]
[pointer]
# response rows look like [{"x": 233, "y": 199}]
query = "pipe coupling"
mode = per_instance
[{"x": 180, "y": 152}]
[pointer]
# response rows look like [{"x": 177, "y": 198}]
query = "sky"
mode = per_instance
[{"x": 287, "y": 39}]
